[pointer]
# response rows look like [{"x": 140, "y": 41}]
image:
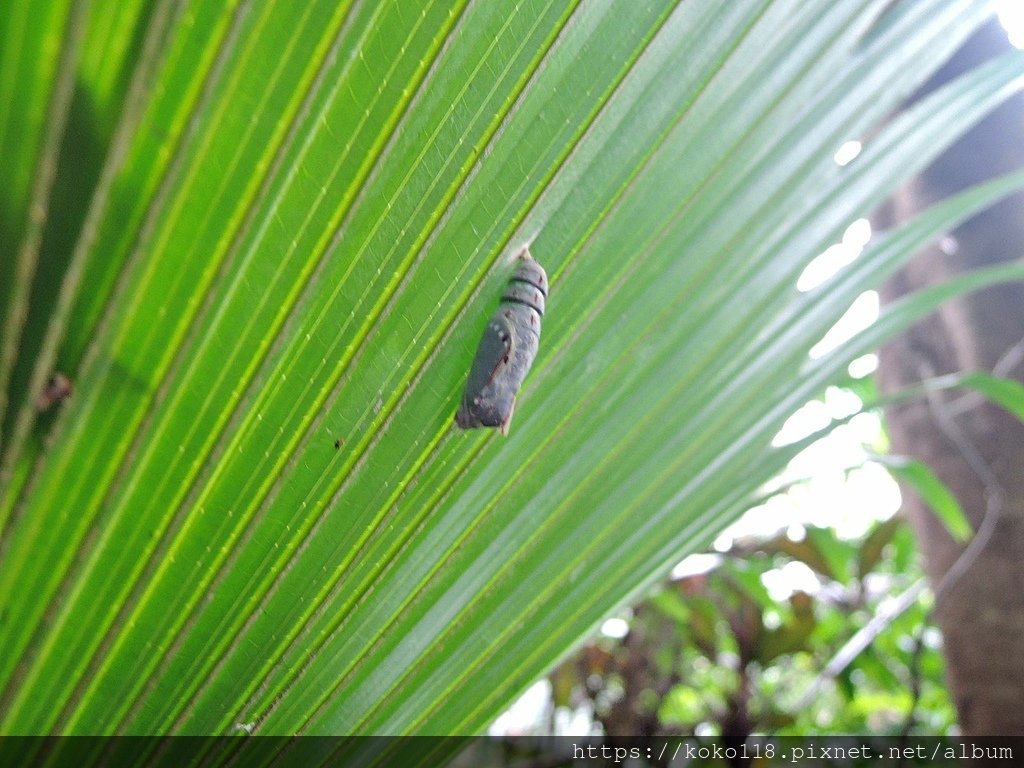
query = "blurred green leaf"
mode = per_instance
[
  {"x": 838, "y": 555},
  {"x": 807, "y": 550},
  {"x": 879, "y": 537},
  {"x": 746, "y": 579},
  {"x": 1008, "y": 393},
  {"x": 794, "y": 633},
  {"x": 905, "y": 549},
  {"x": 933, "y": 491},
  {"x": 671, "y": 604}
]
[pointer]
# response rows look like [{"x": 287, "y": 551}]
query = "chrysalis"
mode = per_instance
[{"x": 506, "y": 350}]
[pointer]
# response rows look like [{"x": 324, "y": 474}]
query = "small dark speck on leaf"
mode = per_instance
[
  {"x": 58, "y": 389},
  {"x": 337, "y": 443}
]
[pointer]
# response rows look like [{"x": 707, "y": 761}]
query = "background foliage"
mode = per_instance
[{"x": 717, "y": 653}]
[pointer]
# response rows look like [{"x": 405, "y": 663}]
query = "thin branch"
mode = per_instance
[{"x": 994, "y": 494}]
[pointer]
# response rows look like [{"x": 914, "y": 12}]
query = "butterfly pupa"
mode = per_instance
[{"x": 506, "y": 350}]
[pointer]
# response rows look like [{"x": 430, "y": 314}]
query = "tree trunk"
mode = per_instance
[{"x": 976, "y": 448}]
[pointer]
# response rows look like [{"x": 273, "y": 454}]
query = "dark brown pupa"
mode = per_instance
[{"x": 506, "y": 351}]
